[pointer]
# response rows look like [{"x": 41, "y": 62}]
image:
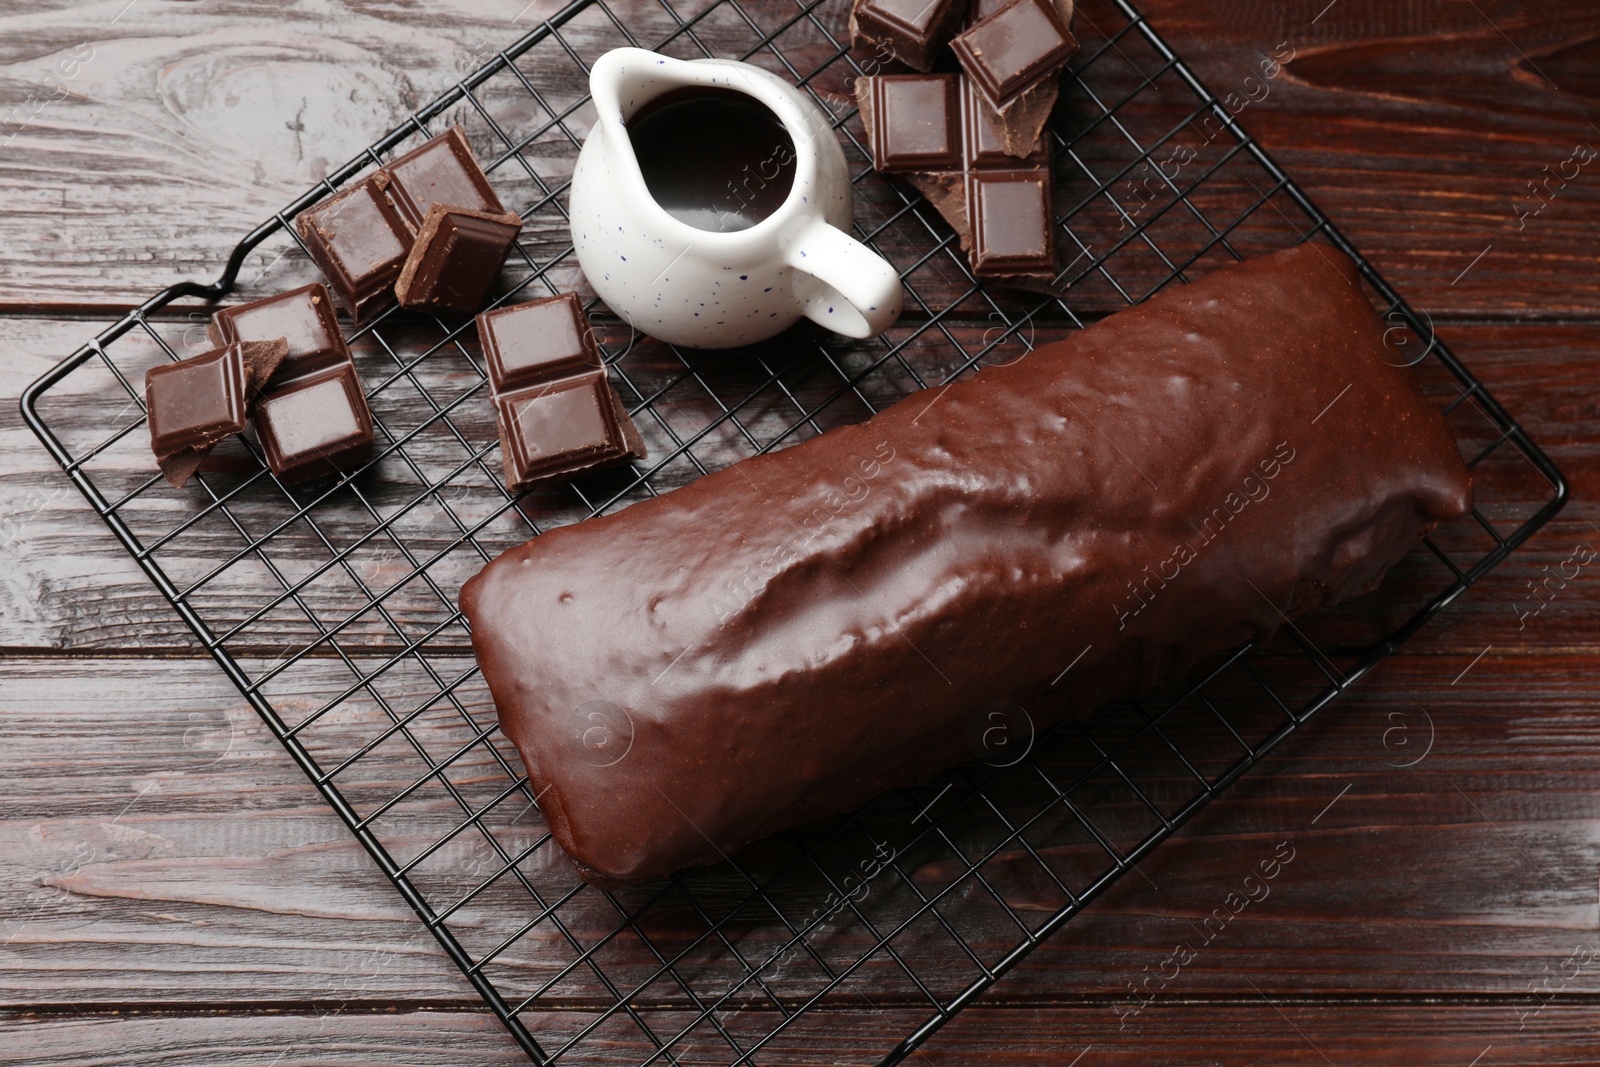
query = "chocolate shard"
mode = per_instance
[
  {"x": 360, "y": 242},
  {"x": 912, "y": 31},
  {"x": 194, "y": 403},
  {"x": 303, "y": 317},
  {"x": 758, "y": 647},
  {"x": 916, "y": 121},
  {"x": 315, "y": 425},
  {"x": 455, "y": 259},
  {"x": 262, "y": 359},
  {"x": 1014, "y": 55},
  {"x": 442, "y": 170}
]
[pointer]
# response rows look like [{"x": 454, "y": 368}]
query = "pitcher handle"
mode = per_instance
[{"x": 842, "y": 284}]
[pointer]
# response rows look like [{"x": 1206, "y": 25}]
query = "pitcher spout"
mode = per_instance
[{"x": 624, "y": 79}]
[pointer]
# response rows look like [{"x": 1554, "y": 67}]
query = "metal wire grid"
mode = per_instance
[{"x": 920, "y": 901}]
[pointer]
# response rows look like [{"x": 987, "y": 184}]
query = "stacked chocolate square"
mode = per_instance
[
  {"x": 312, "y": 417},
  {"x": 426, "y": 231},
  {"x": 557, "y": 412},
  {"x": 279, "y": 364},
  {"x": 971, "y": 140}
]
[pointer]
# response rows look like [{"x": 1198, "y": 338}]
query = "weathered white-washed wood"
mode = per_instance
[{"x": 1187, "y": 1035}]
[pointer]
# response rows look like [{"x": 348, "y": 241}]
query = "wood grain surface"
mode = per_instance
[{"x": 173, "y": 890}]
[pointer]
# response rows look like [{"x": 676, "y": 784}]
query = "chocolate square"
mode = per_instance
[
  {"x": 1014, "y": 48},
  {"x": 303, "y": 317},
  {"x": 536, "y": 341},
  {"x": 911, "y": 31},
  {"x": 980, "y": 141},
  {"x": 560, "y": 428},
  {"x": 440, "y": 171},
  {"x": 456, "y": 258},
  {"x": 196, "y": 402},
  {"x": 360, "y": 242},
  {"x": 315, "y": 425},
  {"x": 916, "y": 122},
  {"x": 1012, "y": 223}
]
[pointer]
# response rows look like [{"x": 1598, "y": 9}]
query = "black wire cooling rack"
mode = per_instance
[{"x": 332, "y": 606}]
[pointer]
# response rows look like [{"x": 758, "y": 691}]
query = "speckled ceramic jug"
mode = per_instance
[{"x": 706, "y": 289}]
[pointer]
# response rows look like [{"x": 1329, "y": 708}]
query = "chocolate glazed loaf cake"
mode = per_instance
[{"x": 784, "y": 639}]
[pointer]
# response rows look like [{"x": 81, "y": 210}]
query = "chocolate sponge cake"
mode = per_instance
[{"x": 783, "y": 639}]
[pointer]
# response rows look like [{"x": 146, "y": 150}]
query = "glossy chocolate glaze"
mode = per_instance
[{"x": 781, "y": 640}]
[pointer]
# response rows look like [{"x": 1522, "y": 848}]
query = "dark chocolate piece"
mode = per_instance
[
  {"x": 982, "y": 144},
  {"x": 456, "y": 257},
  {"x": 557, "y": 413},
  {"x": 1127, "y": 502},
  {"x": 360, "y": 242},
  {"x": 982, "y": 153},
  {"x": 911, "y": 31},
  {"x": 1020, "y": 117},
  {"x": 534, "y": 342},
  {"x": 917, "y": 122},
  {"x": 315, "y": 425},
  {"x": 440, "y": 171},
  {"x": 563, "y": 427},
  {"x": 194, "y": 403},
  {"x": 1013, "y": 227},
  {"x": 303, "y": 317},
  {"x": 1014, "y": 48}
]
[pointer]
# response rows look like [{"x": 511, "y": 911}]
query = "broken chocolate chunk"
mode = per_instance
[
  {"x": 457, "y": 255},
  {"x": 194, "y": 403},
  {"x": 1014, "y": 48},
  {"x": 563, "y": 427},
  {"x": 1014, "y": 239},
  {"x": 1014, "y": 54},
  {"x": 360, "y": 242},
  {"x": 303, "y": 317},
  {"x": 557, "y": 412},
  {"x": 912, "y": 31},
  {"x": 533, "y": 342}
]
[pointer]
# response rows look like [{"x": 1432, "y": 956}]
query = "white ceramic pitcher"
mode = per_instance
[{"x": 705, "y": 289}]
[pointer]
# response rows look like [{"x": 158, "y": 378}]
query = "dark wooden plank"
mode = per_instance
[
  {"x": 1189, "y": 1035},
  {"x": 159, "y": 848},
  {"x": 69, "y": 584},
  {"x": 178, "y": 133}
]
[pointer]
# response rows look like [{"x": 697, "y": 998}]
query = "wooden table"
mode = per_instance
[{"x": 154, "y": 894}]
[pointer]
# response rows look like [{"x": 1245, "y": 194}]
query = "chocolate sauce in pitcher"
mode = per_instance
[{"x": 713, "y": 158}]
